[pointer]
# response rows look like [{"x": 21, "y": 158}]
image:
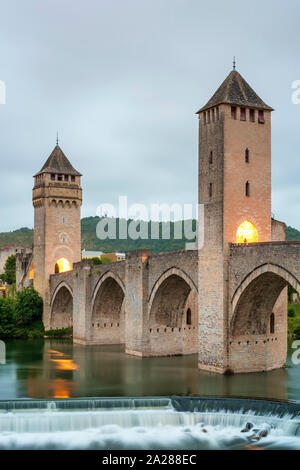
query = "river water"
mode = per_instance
[
  {"x": 58, "y": 369},
  {"x": 40, "y": 374}
]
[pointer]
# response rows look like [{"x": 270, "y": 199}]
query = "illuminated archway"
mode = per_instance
[
  {"x": 62, "y": 265},
  {"x": 247, "y": 233},
  {"x": 31, "y": 272}
]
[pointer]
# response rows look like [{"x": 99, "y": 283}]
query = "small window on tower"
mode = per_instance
[
  {"x": 59, "y": 177},
  {"x": 208, "y": 116},
  {"x": 233, "y": 112},
  {"x": 217, "y": 114},
  {"x": 213, "y": 115},
  {"x": 261, "y": 117},
  {"x": 72, "y": 178},
  {"x": 247, "y": 189},
  {"x": 210, "y": 190},
  {"x": 204, "y": 117},
  {"x": 243, "y": 114},
  {"x": 211, "y": 157},
  {"x": 252, "y": 115},
  {"x": 52, "y": 176},
  {"x": 247, "y": 156},
  {"x": 66, "y": 177}
]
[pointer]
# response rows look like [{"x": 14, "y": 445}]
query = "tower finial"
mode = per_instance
[
  {"x": 56, "y": 138},
  {"x": 233, "y": 63}
]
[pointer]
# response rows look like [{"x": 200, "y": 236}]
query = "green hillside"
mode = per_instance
[
  {"x": 91, "y": 242},
  {"x": 24, "y": 236},
  {"x": 292, "y": 234}
]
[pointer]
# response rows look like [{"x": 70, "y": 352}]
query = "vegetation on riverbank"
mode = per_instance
[
  {"x": 21, "y": 315},
  {"x": 63, "y": 333},
  {"x": 294, "y": 320},
  {"x": 9, "y": 274}
]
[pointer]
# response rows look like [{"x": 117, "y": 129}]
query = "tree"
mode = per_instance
[
  {"x": 6, "y": 317},
  {"x": 96, "y": 261},
  {"x": 291, "y": 312},
  {"x": 291, "y": 291},
  {"x": 29, "y": 307},
  {"x": 6, "y": 311},
  {"x": 9, "y": 275}
]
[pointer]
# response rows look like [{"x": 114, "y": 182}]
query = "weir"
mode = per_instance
[{"x": 150, "y": 423}]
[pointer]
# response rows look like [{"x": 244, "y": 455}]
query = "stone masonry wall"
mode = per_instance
[{"x": 264, "y": 268}]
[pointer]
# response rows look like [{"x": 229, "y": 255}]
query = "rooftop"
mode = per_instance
[
  {"x": 236, "y": 91},
  {"x": 58, "y": 163}
]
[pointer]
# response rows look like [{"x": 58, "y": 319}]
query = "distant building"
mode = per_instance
[
  {"x": 113, "y": 257},
  {"x": 91, "y": 254},
  {"x": 7, "y": 251}
]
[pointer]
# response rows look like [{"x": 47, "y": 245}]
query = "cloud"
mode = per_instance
[{"x": 121, "y": 82}]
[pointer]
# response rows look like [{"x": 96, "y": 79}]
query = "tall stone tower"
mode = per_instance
[
  {"x": 57, "y": 198},
  {"x": 235, "y": 189}
]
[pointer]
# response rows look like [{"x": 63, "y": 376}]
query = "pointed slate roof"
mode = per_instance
[
  {"x": 58, "y": 163},
  {"x": 235, "y": 90}
]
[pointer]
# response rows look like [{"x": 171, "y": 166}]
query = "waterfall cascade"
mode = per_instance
[{"x": 148, "y": 423}]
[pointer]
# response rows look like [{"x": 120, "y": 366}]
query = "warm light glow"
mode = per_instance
[
  {"x": 247, "y": 233},
  {"x": 62, "y": 364},
  {"x": 61, "y": 388},
  {"x": 65, "y": 364},
  {"x": 31, "y": 272},
  {"x": 63, "y": 265},
  {"x": 53, "y": 351}
]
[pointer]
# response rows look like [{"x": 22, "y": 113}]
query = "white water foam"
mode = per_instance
[{"x": 144, "y": 429}]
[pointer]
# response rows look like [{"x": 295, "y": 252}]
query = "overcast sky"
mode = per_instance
[{"x": 121, "y": 80}]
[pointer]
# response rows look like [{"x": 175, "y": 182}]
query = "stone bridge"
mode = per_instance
[{"x": 150, "y": 303}]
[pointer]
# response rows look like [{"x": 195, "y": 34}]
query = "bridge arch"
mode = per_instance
[
  {"x": 169, "y": 297},
  {"x": 108, "y": 323},
  {"x": 61, "y": 307},
  {"x": 173, "y": 314},
  {"x": 254, "y": 299},
  {"x": 258, "y": 325}
]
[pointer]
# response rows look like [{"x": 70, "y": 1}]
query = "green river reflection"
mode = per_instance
[{"x": 57, "y": 369}]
